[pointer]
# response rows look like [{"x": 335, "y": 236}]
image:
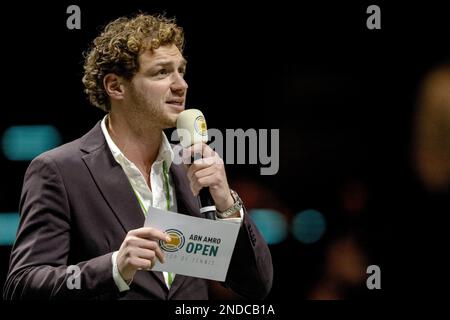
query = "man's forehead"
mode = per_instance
[{"x": 163, "y": 55}]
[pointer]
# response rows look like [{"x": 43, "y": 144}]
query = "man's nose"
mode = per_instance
[{"x": 179, "y": 84}]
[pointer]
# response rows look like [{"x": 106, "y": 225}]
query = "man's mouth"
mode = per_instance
[{"x": 176, "y": 102}]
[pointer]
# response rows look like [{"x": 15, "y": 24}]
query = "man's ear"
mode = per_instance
[{"x": 113, "y": 86}]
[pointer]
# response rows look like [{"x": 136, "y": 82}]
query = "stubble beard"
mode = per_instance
[{"x": 148, "y": 116}]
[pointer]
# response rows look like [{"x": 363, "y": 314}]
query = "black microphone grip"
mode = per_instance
[
  {"x": 206, "y": 204},
  {"x": 205, "y": 201}
]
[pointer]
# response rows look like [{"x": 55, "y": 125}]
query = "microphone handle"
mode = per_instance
[{"x": 207, "y": 206}]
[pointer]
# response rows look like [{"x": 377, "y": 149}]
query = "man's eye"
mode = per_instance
[{"x": 162, "y": 72}]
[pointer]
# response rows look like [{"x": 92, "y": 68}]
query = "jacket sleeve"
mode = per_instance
[
  {"x": 38, "y": 265},
  {"x": 250, "y": 273}
]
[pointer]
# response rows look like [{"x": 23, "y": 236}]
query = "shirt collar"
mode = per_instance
[{"x": 165, "y": 150}]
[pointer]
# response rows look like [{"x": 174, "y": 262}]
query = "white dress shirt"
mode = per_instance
[{"x": 156, "y": 197}]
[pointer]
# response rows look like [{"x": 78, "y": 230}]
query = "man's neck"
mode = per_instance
[{"x": 139, "y": 145}]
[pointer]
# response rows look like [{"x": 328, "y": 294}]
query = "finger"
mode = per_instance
[
  {"x": 150, "y": 254},
  {"x": 195, "y": 188},
  {"x": 208, "y": 151},
  {"x": 196, "y": 150},
  {"x": 148, "y": 246},
  {"x": 195, "y": 175},
  {"x": 187, "y": 156},
  {"x": 202, "y": 150},
  {"x": 152, "y": 263},
  {"x": 142, "y": 264},
  {"x": 207, "y": 181},
  {"x": 144, "y": 253},
  {"x": 150, "y": 233},
  {"x": 192, "y": 153},
  {"x": 199, "y": 165},
  {"x": 142, "y": 243},
  {"x": 208, "y": 161},
  {"x": 204, "y": 182},
  {"x": 160, "y": 254}
]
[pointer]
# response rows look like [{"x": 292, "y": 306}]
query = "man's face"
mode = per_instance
[{"x": 157, "y": 92}]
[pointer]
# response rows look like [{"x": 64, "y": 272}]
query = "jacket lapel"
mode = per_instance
[
  {"x": 113, "y": 184},
  {"x": 111, "y": 180}
]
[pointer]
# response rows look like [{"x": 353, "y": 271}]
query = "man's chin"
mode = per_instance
[{"x": 171, "y": 122}]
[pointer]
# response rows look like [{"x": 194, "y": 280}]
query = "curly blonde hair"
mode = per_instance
[{"x": 117, "y": 48}]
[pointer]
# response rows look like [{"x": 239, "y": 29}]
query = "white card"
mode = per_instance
[{"x": 199, "y": 248}]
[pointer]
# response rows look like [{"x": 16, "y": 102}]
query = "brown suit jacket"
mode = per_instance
[{"x": 77, "y": 206}]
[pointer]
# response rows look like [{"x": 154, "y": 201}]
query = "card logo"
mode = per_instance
[{"x": 176, "y": 243}]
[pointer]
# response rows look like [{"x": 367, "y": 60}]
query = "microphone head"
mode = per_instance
[{"x": 191, "y": 127}]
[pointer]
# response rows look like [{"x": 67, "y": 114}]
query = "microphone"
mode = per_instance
[{"x": 191, "y": 129}]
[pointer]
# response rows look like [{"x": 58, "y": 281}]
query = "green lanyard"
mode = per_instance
[
  {"x": 170, "y": 275},
  {"x": 166, "y": 189},
  {"x": 166, "y": 184}
]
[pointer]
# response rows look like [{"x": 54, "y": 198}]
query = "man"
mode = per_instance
[{"x": 84, "y": 203}]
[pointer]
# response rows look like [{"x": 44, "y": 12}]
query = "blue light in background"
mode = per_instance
[
  {"x": 8, "y": 228},
  {"x": 271, "y": 224},
  {"x": 308, "y": 226},
  {"x": 23, "y": 143}
]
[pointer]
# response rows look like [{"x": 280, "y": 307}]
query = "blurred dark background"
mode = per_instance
[{"x": 344, "y": 98}]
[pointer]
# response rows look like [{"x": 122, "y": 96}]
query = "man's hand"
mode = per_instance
[
  {"x": 139, "y": 251},
  {"x": 209, "y": 171}
]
